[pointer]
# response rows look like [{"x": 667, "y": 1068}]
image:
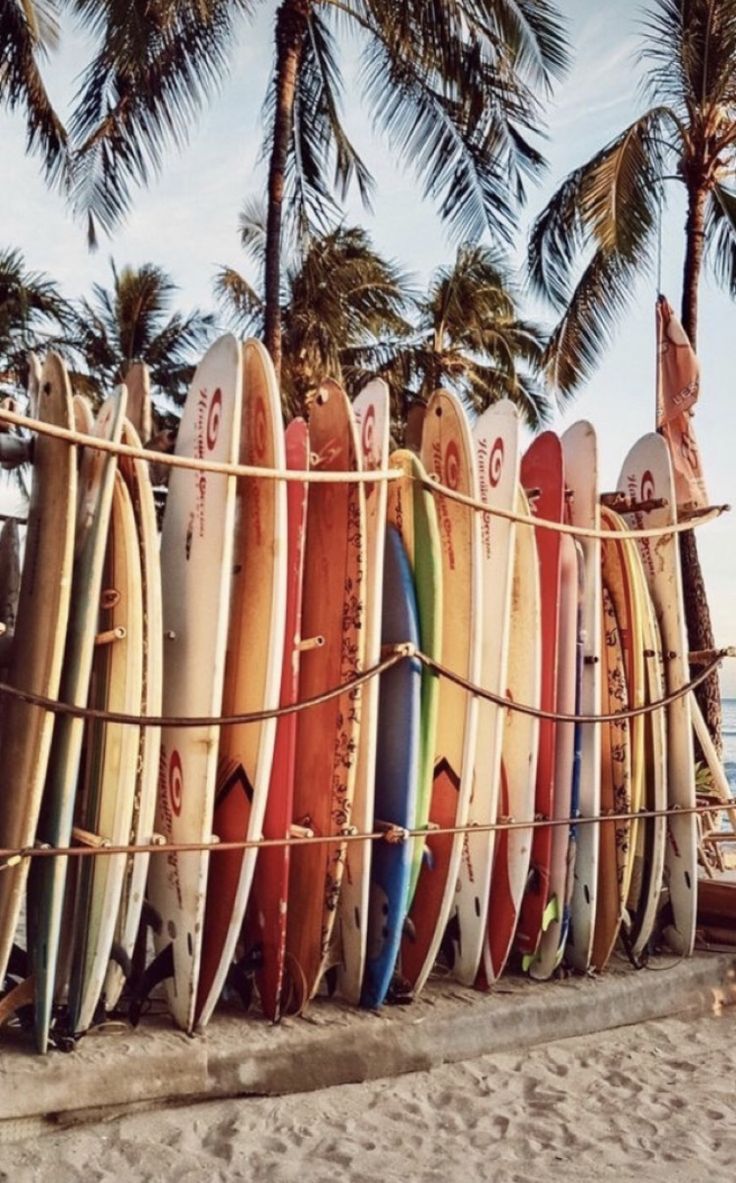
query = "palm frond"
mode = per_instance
[
  {"x": 720, "y": 235},
  {"x": 155, "y": 66},
  {"x": 27, "y": 29},
  {"x": 584, "y": 331},
  {"x": 608, "y": 205}
]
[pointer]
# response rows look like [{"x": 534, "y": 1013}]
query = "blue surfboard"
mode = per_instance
[{"x": 397, "y": 770}]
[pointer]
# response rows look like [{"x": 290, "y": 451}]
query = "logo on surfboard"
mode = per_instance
[
  {"x": 175, "y": 782},
  {"x": 214, "y": 415},
  {"x": 452, "y": 465},
  {"x": 367, "y": 433},
  {"x": 647, "y": 489},
  {"x": 495, "y": 462}
]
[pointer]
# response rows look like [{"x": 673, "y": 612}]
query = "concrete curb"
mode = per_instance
[{"x": 337, "y": 1045}]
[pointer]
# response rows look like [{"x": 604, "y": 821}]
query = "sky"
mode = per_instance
[{"x": 186, "y": 222}]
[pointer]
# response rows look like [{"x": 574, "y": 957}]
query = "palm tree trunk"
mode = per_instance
[
  {"x": 291, "y": 28},
  {"x": 697, "y": 612}
]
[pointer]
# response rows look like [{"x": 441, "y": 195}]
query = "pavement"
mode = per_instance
[{"x": 115, "y": 1069}]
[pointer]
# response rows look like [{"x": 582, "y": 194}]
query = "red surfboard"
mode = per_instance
[
  {"x": 542, "y": 475},
  {"x": 266, "y": 919}
]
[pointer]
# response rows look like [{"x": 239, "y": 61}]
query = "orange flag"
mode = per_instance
[{"x": 678, "y": 387}]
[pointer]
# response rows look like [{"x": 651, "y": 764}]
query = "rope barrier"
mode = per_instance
[
  {"x": 314, "y": 476},
  {"x": 703, "y": 518},
  {"x": 400, "y": 652},
  {"x": 12, "y": 856}
]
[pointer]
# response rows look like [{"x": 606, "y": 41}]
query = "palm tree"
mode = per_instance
[
  {"x": 33, "y": 314},
  {"x": 468, "y": 335},
  {"x": 28, "y": 30},
  {"x": 453, "y": 84},
  {"x": 607, "y": 213},
  {"x": 342, "y": 305},
  {"x": 132, "y": 321}
]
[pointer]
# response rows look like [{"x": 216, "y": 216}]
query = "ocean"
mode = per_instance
[{"x": 729, "y": 741}]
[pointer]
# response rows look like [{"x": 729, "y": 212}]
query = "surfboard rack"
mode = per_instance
[
  {"x": 87, "y": 838},
  {"x": 392, "y": 833},
  {"x": 296, "y": 831},
  {"x": 111, "y": 634},
  {"x": 306, "y": 644},
  {"x": 622, "y": 503}
]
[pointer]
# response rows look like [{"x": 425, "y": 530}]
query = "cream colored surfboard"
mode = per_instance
[
  {"x": 520, "y": 744},
  {"x": 448, "y": 453},
  {"x": 138, "y": 383},
  {"x": 372, "y": 420},
  {"x": 496, "y": 439},
  {"x": 580, "y": 451},
  {"x": 255, "y": 649},
  {"x": 135, "y": 474},
  {"x": 196, "y": 564},
  {"x": 646, "y": 886},
  {"x": 106, "y": 789},
  {"x": 647, "y": 474},
  {"x": 40, "y": 636}
]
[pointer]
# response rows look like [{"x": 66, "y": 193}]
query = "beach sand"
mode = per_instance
[{"x": 653, "y": 1103}]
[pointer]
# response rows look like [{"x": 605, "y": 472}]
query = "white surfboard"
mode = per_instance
[
  {"x": 255, "y": 650},
  {"x": 106, "y": 789},
  {"x": 653, "y": 831},
  {"x": 647, "y": 474},
  {"x": 520, "y": 742},
  {"x": 372, "y": 418},
  {"x": 496, "y": 441},
  {"x": 196, "y": 563},
  {"x": 580, "y": 451},
  {"x": 135, "y": 474}
]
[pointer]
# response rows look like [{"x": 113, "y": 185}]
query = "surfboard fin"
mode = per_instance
[
  {"x": 409, "y": 929},
  {"x": 161, "y": 968},
  {"x": 119, "y": 956},
  {"x": 400, "y": 992},
  {"x": 240, "y": 976},
  {"x": 330, "y": 977},
  {"x": 18, "y": 963},
  {"x": 451, "y": 940}
]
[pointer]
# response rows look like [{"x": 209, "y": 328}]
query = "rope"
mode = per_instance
[
  {"x": 400, "y": 652},
  {"x": 313, "y": 476},
  {"x": 12, "y": 856},
  {"x": 701, "y": 518}
]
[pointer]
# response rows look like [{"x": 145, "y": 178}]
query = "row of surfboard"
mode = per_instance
[{"x": 263, "y": 593}]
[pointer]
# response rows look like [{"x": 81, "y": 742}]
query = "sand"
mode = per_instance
[{"x": 654, "y": 1102}]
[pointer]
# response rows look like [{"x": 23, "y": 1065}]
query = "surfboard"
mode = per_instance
[
  {"x": 495, "y": 436},
  {"x": 448, "y": 453},
  {"x": 647, "y": 474},
  {"x": 196, "y": 568},
  {"x": 411, "y": 510},
  {"x": 520, "y": 745},
  {"x": 580, "y": 452},
  {"x": 138, "y": 383},
  {"x": 542, "y": 475},
  {"x": 646, "y": 884},
  {"x": 327, "y": 733},
  {"x": 255, "y": 651},
  {"x": 47, "y": 880},
  {"x": 397, "y": 767},
  {"x": 615, "y": 835},
  {"x": 33, "y": 385},
  {"x": 40, "y": 636},
  {"x": 137, "y": 480},
  {"x": 84, "y": 416},
  {"x": 106, "y": 790},
  {"x": 622, "y": 575},
  {"x": 372, "y": 417},
  {"x": 551, "y": 942},
  {"x": 265, "y": 930}
]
